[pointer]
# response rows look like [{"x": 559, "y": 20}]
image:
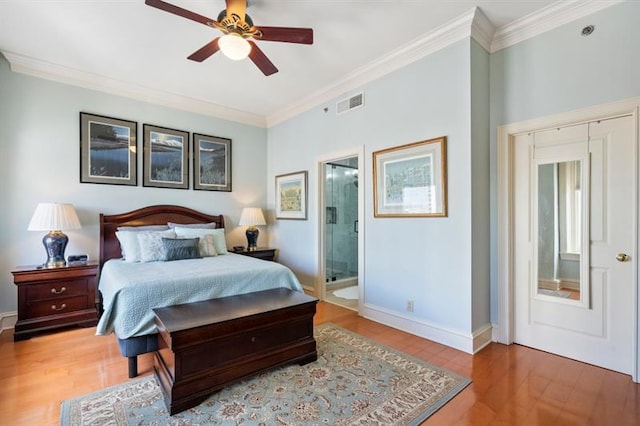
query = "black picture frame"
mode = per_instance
[
  {"x": 165, "y": 157},
  {"x": 211, "y": 163},
  {"x": 108, "y": 150}
]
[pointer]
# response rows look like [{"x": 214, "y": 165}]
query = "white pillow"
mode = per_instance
[
  {"x": 219, "y": 241},
  {"x": 151, "y": 246},
  {"x": 131, "y": 247}
]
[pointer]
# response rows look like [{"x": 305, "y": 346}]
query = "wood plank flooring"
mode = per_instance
[{"x": 512, "y": 385}]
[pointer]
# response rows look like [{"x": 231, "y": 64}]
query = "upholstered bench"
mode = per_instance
[{"x": 205, "y": 346}]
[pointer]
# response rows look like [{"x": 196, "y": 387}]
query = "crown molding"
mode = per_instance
[
  {"x": 66, "y": 75},
  {"x": 472, "y": 24},
  {"x": 443, "y": 36},
  {"x": 545, "y": 19},
  {"x": 482, "y": 30}
]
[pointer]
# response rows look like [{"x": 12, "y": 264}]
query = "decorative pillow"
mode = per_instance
[
  {"x": 206, "y": 246},
  {"x": 151, "y": 246},
  {"x": 180, "y": 248},
  {"x": 210, "y": 225},
  {"x": 219, "y": 241}
]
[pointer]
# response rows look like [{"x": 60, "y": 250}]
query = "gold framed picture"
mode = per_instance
[{"x": 411, "y": 180}]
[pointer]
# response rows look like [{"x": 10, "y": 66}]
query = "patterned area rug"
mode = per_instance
[{"x": 354, "y": 381}]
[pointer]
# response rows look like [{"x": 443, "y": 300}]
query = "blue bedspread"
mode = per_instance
[{"x": 131, "y": 290}]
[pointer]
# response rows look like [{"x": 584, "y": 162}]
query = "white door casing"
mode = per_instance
[{"x": 508, "y": 136}]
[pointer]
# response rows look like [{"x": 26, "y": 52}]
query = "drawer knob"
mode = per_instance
[
  {"x": 62, "y": 290},
  {"x": 54, "y": 308},
  {"x": 253, "y": 339}
]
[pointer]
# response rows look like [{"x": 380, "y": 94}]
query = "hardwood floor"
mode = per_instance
[{"x": 512, "y": 385}]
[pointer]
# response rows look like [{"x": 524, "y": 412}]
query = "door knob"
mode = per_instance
[{"x": 622, "y": 257}]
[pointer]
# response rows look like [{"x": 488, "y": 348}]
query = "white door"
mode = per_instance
[{"x": 594, "y": 323}]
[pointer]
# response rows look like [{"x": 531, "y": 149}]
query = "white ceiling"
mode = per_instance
[{"x": 129, "y": 46}]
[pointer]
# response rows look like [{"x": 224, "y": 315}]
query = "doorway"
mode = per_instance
[
  {"x": 568, "y": 234},
  {"x": 340, "y": 234}
]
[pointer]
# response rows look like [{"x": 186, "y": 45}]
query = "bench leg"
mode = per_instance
[{"x": 133, "y": 366}]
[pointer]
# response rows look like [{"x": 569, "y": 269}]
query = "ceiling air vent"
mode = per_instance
[{"x": 355, "y": 101}]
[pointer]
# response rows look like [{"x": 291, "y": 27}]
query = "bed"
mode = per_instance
[{"x": 129, "y": 290}]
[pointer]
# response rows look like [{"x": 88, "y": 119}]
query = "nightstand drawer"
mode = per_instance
[
  {"x": 57, "y": 289},
  {"x": 58, "y": 306}
]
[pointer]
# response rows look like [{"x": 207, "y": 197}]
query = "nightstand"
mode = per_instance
[
  {"x": 263, "y": 253},
  {"x": 52, "y": 298}
]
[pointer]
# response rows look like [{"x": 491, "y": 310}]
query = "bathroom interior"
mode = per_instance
[{"x": 341, "y": 232}]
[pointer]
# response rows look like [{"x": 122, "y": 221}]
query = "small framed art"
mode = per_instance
[
  {"x": 411, "y": 180},
  {"x": 166, "y": 154},
  {"x": 291, "y": 196},
  {"x": 108, "y": 150},
  {"x": 211, "y": 163}
]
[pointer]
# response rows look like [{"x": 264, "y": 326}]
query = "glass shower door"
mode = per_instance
[{"x": 341, "y": 221}]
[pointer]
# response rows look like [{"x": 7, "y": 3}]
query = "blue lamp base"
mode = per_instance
[
  {"x": 252, "y": 238},
  {"x": 55, "y": 243}
]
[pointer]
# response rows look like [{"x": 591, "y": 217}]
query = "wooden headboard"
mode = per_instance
[{"x": 152, "y": 215}]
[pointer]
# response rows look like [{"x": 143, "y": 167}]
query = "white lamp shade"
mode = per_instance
[
  {"x": 234, "y": 46},
  {"x": 252, "y": 216},
  {"x": 54, "y": 216}
]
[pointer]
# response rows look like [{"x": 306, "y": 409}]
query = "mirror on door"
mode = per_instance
[{"x": 560, "y": 230}]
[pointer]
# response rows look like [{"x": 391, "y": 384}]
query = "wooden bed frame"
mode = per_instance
[
  {"x": 152, "y": 215},
  {"x": 110, "y": 249}
]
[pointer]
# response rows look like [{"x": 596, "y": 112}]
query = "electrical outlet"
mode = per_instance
[{"x": 409, "y": 305}]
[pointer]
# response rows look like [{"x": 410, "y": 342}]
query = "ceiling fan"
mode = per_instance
[{"x": 238, "y": 28}]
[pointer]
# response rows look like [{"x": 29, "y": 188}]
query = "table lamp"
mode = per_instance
[
  {"x": 55, "y": 218},
  {"x": 252, "y": 216}
]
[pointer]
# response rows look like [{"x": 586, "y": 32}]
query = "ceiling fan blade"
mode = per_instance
[
  {"x": 260, "y": 59},
  {"x": 205, "y": 51},
  {"x": 237, "y": 7},
  {"x": 162, "y": 5},
  {"x": 288, "y": 35}
]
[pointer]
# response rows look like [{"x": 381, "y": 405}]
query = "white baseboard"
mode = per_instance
[
  {"x": 469, "y": 343},
  {"x": 495, "y": 333},
  {"x": 8, "y": 320},
  {"x": 482, "y": 337}
]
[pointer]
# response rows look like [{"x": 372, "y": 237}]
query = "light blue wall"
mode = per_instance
[
  {"x": 561, "y": 71},
  {"x": 427, "y": 260},
  {"x": 39, "y": 162},
  {"x": 480, "y": 236}
]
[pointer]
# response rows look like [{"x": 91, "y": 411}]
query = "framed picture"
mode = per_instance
[
  {"x": 411, "y": 180},
  {"x": 166, "y": 155},
  {"x": 211, "y": 163},
  {"x": 108, "y": 150},
  {"x": 291, "y": 196}
]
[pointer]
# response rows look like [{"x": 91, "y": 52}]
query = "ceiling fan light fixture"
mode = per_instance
[{"x": 234, "y": 46}]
